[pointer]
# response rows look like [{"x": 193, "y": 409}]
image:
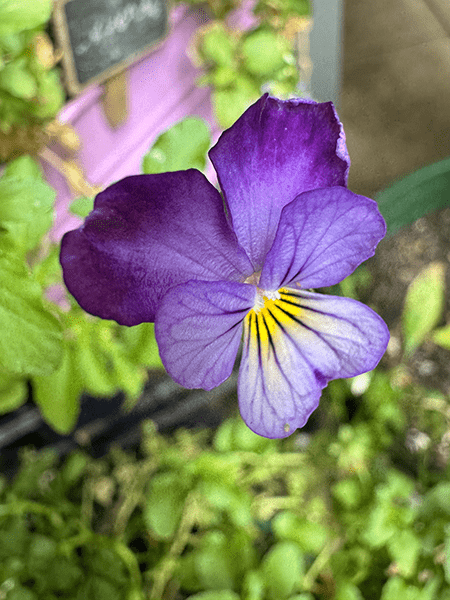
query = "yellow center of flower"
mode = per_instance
[{"x": 273, "y": 313}]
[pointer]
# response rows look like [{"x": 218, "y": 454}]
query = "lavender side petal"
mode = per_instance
[
  {"x": 198, "y": 328},
  {"x": 322, "y": 237}
]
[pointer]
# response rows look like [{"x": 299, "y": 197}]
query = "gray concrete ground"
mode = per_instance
[{"x": 395, "y": 100}]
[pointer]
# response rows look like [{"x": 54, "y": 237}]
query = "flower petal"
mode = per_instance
[
  {"x": 198, "y": 330},
  {"x": 293, "y": 347},
  {"x": 146, "y": 234},
  {"x": 275, "y": 151},
  {"x": 322, "y": 237}
]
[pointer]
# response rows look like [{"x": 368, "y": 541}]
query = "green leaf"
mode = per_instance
[
  {"x": 21, "y": 593},
  {"x": 230, "y": 103},
  {"x": 217, "y": 45},
  {"x": 253, "y": 585},
  {"x": 165, "y": 504},
  {"x": 348, "y": 591},
  {"x": 447, "y": 554},
  {"x": 418, "y": 194},
  {"x": 23, "y": 167},
  {"x": 26, "y": 205},
  {"x": 141, "y": 345},
  {"x": 183, "y": 146},
  {"x": 397, "y": 589},
  {"x": 50, "y": 95},
  {"x": 41, "y": 553},
  {"x": 213, "y": 562},
  {"x": 310, "y": 536},
  {"x": 13, "y": 393},
  {"x": 215, "y": 595},
  {"x": 16, "y": 79},
  {"x": 92, "y": 363},
  {"x": 31, "y": 337},
  {"x": 17, "y": 15},
  {"x": 379, "y": 527},
  {"x": 404, "y": 549},
  {"x": 263, "y": 52},
  {"x": 98, "y": 588},
  {"x": 441, "y": 337},
  {"x": 424, "y": 304},
  {"x": 23, "y": 193},
  {"x": 82, "y": 206},
  {"x": 57, "y": 395},
  {"x": 283, "y": 569}
]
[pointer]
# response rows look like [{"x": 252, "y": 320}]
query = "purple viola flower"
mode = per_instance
[{"x": 167, "y": 248}]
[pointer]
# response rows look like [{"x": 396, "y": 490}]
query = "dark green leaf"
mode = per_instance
[{"x": 418, "y": 194}]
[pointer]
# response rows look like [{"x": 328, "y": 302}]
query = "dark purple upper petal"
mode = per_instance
[
  {"x": 198, "y": 328},
  {"x": 323, "y": 235},
  {"x": 275, "y": 151},
  {"x": 145, "y": 235}
]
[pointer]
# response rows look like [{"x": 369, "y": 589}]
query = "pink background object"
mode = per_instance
[{"x": 161, "y": 91}]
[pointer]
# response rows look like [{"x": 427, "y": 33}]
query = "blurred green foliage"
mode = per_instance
[
  {"x": 359, "y": 509},
  {"x": 240, "y": 65},
  {"x": 31, "y": 92}
]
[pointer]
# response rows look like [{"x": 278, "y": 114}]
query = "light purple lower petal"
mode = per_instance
[
  {"x": 146, "y": 234},
  {"x": 293, "y": 347},
  {"x": 323, "y": 235},
  {"x": 198, "y": 328}
]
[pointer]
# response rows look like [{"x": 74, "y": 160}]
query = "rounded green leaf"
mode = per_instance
[
  {"x": 283, "y": 568},
  {"x": 213, "y": 562},
  {"x": 183, "y": 146},
  {"x": 17, "y": 80},
  {"x": 263, "y": 52},
  {"x": 164, "y": 505}
]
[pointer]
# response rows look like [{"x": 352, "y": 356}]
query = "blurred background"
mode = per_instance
[{"x": 141, "y": 489}]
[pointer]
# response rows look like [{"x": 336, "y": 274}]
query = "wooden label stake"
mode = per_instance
[{"x": 114, "y": 99}]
